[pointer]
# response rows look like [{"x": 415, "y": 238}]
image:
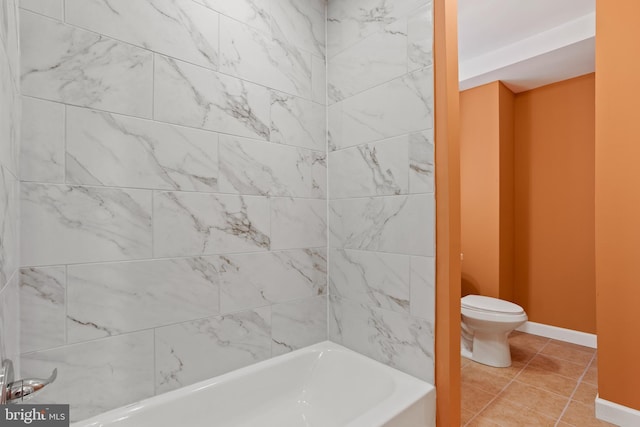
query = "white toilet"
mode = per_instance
[{"x": 486, "y": 324}]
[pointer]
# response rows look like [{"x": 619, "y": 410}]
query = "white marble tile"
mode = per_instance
[
  {"x": 70, "y": 224},
  {"x": 399, "y": 107},
  {"x": 42, "y": 145},
  {"x": 194, "y": 351},
  {"x": 420, "y": 33},
  {"x": 351, "y": 21},
  {"x": 318, "y": 174},
  {"x": 196, "y": 224},
  {"x": 121, "y": 151},
  {"x": 423, "y": 288},
  {"x": 373, "y": 278},
  {"x": 421, "y": 162},
  {"x": 10, "y": 321},
  {"x": 255, "y": 280},
  {"x": 395, "y": 339},
  {"x": 319, "y": 80},
  {"x": 377, "y": 169},
  {"x": 9, "y": 35},
  {"x": 252, "y": 55},
  {"x": 10, "y": 115},
  {"x": 258, "y": 168},
  {"x": 374, "y": 60},
  {"x": 296, "y": 121},
  {"x": 115, "y": 298},
  {"x": 193, "y": 96},
  {"x": 182, "y": 29},
  {"x": 51, "y": 8},
  {"x": 301, "y": 23},
  {"x": 297, "y": 324},
  {"x": 255, "y": 13},
  {"x": 9, "y": 225},
  {"x": 68, "y": 64},
  {"x": 96, "y": 376},
  {"x": 334, "y": 127},
  {"x": 42, "y": 307},
  {"x": 397, "y": 224},
  {"x": 298, "y": 223}
]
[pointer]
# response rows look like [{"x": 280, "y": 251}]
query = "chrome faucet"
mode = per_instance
[{"x": 18, "y": 391}]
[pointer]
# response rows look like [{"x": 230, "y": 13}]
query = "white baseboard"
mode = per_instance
[
  {"x": 616, "y": 414},
  {"x": 560, "y": 334}
]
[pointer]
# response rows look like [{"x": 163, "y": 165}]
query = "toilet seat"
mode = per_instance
[{"x": 490, "y": 305}]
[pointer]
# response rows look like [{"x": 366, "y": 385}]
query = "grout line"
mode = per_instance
[
  {"x": 576, "y": 388},
  {"x": 508, "y": 384}
]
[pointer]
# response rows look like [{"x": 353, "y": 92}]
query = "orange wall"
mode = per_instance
[
  {"x": 554, "y": 204},
  {"x": 447, "y": 160},
  {"x": 486, "y": 185},
  {"x": 618, "y": 200}
]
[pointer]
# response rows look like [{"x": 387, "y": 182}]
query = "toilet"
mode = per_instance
[{"x": 486, "y": 324}]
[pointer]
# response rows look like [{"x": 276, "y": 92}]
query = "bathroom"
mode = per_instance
[{"x": 191, "y": 187}]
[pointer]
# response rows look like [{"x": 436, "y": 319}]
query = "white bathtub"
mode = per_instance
[{"x": 325, "y": 385}]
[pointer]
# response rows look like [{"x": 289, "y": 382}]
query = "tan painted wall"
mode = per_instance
[{"x": 617, "y": 198}]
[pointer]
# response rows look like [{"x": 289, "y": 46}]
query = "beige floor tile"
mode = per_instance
[
  {"x": 581, "y": 415},
  {"x": 591, "y": 376},
  {"x": 558, "y": 366},
  {"x": 480, "y": 422},
  {"x": 465, "y": 416},
  {"x": 567, "y": 351},
  {"x": 527, "y": 342},
  {"x": 508, "y": 372},
  {"x": 540, "y": 400},
  {"x": 474, "y": 399},
  {"x": 464, "y": 362},
  {"x": 508, "y": 414},
  {"x": 547, "y": 380},
  {"x": 586, "y": 393},
  {"x": 490, "y": 382}
]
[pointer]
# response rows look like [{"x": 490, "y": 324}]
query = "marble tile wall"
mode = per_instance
[
  {"x": 10, "y": 113},
  {"x": 173, "y": 196},
  {"x": 381, "y": 182}
]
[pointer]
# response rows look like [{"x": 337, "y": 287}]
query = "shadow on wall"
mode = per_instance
[{"x": 469, "y": 286}]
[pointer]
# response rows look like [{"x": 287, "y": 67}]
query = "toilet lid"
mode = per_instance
[{"x": 478, "y": 302}]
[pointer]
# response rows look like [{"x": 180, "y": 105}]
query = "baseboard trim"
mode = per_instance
[
  {"x": 560, "y": 334},
  {"x": 616, "y": 414}
]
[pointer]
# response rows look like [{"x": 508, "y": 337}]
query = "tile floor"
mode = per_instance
[{"x": 550, "y": 383}]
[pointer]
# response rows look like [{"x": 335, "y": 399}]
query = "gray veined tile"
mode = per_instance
[
  {"x": 398, "y": 107},
  {"x": 9, "y": 35},
  {"x": 182, "y": 29},
  {"x": 194, "y": 351},
  {"x": 71, "y": 224},
  {"x": 42, "y": 145},
  {"x": 51, "y": 8},
  {"x": 374, "y": 279},
  {"x": 378, "y": 169},
  {"x": 10, "y": 118},
  {"x": 71, "y": 65},
  {"x": 197, "y": 224},
  {"x": 395, "y": 339},
  {"x": 319, "y": 80},
  {"x": 255, "y": 167},
  {"x": 42, "y": 308},
  {"x": 348, "y": 22},
  {"x": 252, "y": 55},
  {"x": 256, "y": 13},
  {"x": 297, "y": 324},
  {"x": 10, "y": 321},
  {"x": 114, "y": 150},
  {"x": 374, "y": 60},
  {"x": 420, "y": 33},
  {"x": 296, "y": 121},
  {"x": 115, "y": 298},
  {"x": 259, "y": 279},
  {"x": 9, "y": 225},
  {"x": 110, "y": 372},
  {"x": 318, "y": 174},
  {"x": 298, "y": 223},
  {"x": 300, "y": 23},
  {"x": 193, "y": 96},
  {"x": 421, "y": 162},
  {"x": 397, "y": 224},
  {"x": 423, "y": 289}
]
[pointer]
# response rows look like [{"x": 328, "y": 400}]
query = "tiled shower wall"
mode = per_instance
[
  {"x": 9, "y": 182},
  {"x": 381, "y": 183},
  {"x": 173, "y": 191}
]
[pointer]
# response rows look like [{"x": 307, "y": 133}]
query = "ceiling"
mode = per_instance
[{"x": 525, "y": 43}]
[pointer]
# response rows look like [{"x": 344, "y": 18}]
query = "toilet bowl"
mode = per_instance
[{"x": 486, "y": 324}]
